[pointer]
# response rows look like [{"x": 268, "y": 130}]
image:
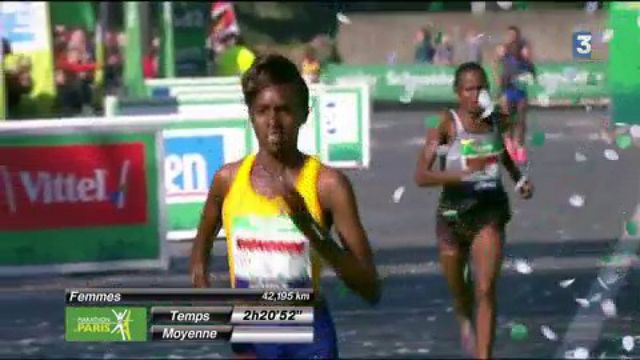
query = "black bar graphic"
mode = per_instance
[
  {"x": 174, "y": 296},
  {"x": 191, "y": 315},
  {"x": 191, "y": 332}
]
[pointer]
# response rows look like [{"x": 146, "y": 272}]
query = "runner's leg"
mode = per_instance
[
  {"x": 486, "y": 253},
  {"x": 453, "y": 259}
]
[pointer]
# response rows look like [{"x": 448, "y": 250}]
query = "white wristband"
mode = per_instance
[{"x": 521, "y": 182}]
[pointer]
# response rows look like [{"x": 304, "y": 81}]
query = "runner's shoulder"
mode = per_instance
[
  {"x": 331, "y": 179},
  {"x": 226, "y": 174}
]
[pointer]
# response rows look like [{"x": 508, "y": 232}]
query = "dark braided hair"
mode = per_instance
[{"x": 466, "y": 67}]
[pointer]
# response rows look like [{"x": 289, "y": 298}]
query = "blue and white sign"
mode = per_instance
[{"x": 192, "y": 157}]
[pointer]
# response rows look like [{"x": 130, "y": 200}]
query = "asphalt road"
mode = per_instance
[{"x": 559, "y": 241}]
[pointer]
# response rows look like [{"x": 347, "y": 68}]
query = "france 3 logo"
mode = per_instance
[{"x": 582, "y": 45}]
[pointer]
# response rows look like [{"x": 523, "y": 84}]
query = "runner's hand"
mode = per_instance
[
  {"x": 284, "y": 187},
  {"x": 526, "y": 190},
  {"x": 199, "y": 278}
]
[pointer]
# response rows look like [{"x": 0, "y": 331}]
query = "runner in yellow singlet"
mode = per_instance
[{"x": 277, "y": 208}]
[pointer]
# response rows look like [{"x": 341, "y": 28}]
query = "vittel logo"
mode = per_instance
[{"x": 49, "y": 188}]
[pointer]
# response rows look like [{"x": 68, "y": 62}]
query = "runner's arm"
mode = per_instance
[
  {"x": 507, "y": 161},
  {"x": 424, "y": 175},
  {"x": 210, "y": 223},
  {"x": 353, "y": 263}
]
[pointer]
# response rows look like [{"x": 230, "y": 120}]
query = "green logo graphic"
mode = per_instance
[{"x": 105, "y": 324}]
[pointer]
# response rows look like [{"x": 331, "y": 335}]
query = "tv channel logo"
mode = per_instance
[{"x": 582, "y": 45}]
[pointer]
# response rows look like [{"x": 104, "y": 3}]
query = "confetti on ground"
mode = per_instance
[
  {"x": 588, "y": 108},
  {"x": 583, "y": 302},
  {"x": 611, "y": 154},
  {"x": 628, "y": 343},
  {"x": 343, "y": 18},
  {"x": 548, "y": 333},
  {"x": 631, "y": 227},
  {"x": 342, "y": 290},
  {"x": 608, "y": 308},
  {"x": 624, "y": 141},
  {"x": 635, "y": 131},
  {"x": 431, "y": 122},
  {"x": 596, "y": 298},
  {"x": 537, "y": 139},
  {"x": 580, "y": 353},
  {"x": 566, "y": 283},
  {"x": 519, "y": 332},
  {"x": 580, "y": 157},
  {"x": 523, "y": 267},
  {"x": 576, "y": 200},
  {"x": 397, "y": 195}
]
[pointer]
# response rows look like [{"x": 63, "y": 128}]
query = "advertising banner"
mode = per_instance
[
  {"x": 557, "y": 83},
  {"x": 194, "y": 151},
  {"x": 80, "y": 202}
]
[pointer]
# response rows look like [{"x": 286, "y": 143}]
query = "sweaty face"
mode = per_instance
[
  {"x": 277, "y": 114},
  {"x": 471, "y": 83}
]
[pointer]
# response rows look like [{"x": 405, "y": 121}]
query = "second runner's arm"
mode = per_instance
[{"x": 210, "y": 223}]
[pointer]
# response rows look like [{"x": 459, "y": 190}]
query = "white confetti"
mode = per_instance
[
  {"x": 611, "y": 154},
  {"x": 628, "y": 343},
  {"x": 343, "y": 18},
  {"x": 566, "y": 283},
  {"x": 602, "y": 283},
  {"x": 523, "y": 267},
  {"x": 576, "y": 200},
  {"x": 548, "y": 333},
  {"x": 397, "y": 195},
  {"x": 580, "y": 157},
  {"x": 635, "y": 131},
  {"x": 607, "y": 35},
  {"x": 583, "y": 302},
  {"x": 588, "y": 108},
  {"x": 581, "y": 353},
  {"x": 608, "y": 308},
  {"x": 596, "y": 297}
]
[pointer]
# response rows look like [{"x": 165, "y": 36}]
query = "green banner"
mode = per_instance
[
  {"x": 624, "y": 62},
  {"x": 189, "y": 37},
  {"x": 105, "y": 324},
  {"x": 100, "y": 206},
  {"x": 556, "y": 83}
]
